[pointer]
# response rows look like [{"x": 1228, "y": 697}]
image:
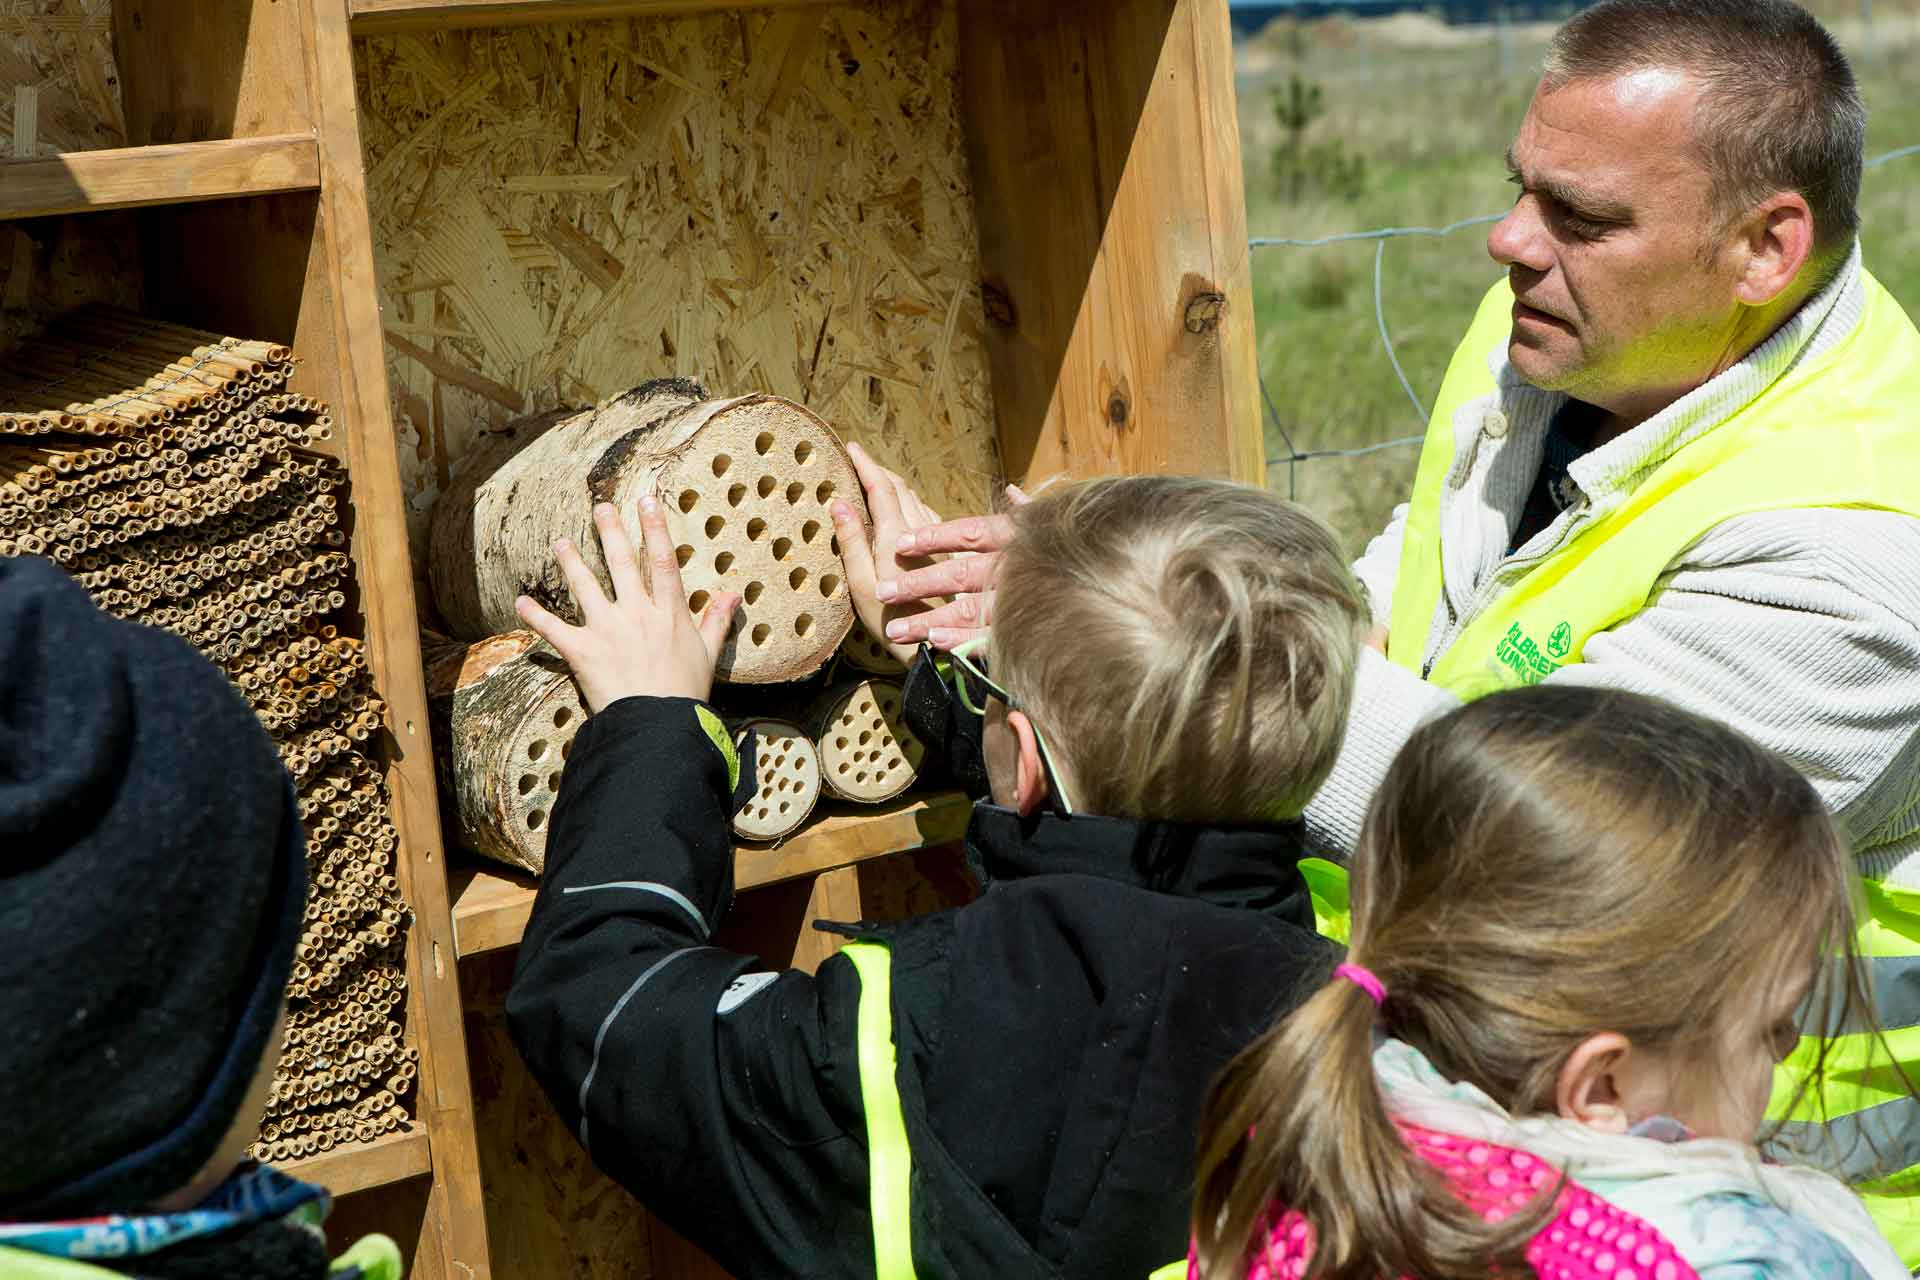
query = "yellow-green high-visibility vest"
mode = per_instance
[{"x": 1840, "y": 430}]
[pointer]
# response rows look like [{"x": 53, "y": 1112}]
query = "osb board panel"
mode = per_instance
[
  {"x": 60, "y": 91},
  {"x": 549, "y": 1211},
  {"x": 764, "y": 201},
  {"x": 62, "y": 50}
]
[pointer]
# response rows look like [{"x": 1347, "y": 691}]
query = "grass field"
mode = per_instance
[{"x": 1429, "y": 110}]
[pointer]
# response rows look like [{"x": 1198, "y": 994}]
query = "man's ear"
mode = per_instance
[
  {"x": 1030, "y": 777},
  {"x": 1588, "y": 1089},
  {"x": 1776, "y": 240}
]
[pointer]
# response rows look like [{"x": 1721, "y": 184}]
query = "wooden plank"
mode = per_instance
[
  {"x": 133, "y": 177},
  {"x": 492, "y": 903},
  {"x": 203, "y": 70},
  {"x": 381, "y": 17},
  {"x": 360, "y": 1166},
  {"x": 454, "y": 1235},
  {"x": 1105, "y": 154},
  {"x": 835, "y": 896}
]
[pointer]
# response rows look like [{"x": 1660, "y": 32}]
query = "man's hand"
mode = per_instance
[
  {"x": 644, "y": 642},
  {"x": 976, "y": 543},
  {"x": 896, "y": 509}
]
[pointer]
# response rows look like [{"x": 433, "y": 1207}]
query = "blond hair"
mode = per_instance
[
  {"x": 1540, "y": 866},
  {"x": 1186, "y": 645}
]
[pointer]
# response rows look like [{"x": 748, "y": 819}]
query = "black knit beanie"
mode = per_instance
[{"x": 152, "y": 879}]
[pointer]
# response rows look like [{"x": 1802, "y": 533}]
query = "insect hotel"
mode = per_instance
[{"x": 323, "y": 318}]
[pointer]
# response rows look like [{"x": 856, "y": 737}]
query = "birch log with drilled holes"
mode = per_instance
[
  {"x": 867, "y": 753},
  {"x": 786, "y": 776},
  {"x": 505, "y": 712},
  {"x": 746, "y": 485},
  {"x": 864, "y": 652}
]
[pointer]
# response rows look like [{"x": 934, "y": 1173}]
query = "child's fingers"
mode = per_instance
[
  {"x": 716, "y": 620},
  {"x": 617, "y": 549},
  {"x": 663, "y": 566},
  {"x": 580, "y": 580},
  {"x": 855, "y": 551},
  {"x": 1016, "y": 496},
  {"x": 878, "y": 482},
  {"x": 543, "y": 624}
]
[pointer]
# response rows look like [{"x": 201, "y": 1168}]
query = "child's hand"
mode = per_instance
[
  {"x": 643, "y": 643},
  {"x": 895, "y": 508}
]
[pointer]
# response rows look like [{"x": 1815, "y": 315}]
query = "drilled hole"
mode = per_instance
[
  {"x": 763, "y": 442},
  {"x": 683, "y": 555},
  {"x": 763, "y": 811},
  {"x": 801, "y": 452},
  {"x": 830, "y": 583},
  {"x": 714, "y": 525},
  {"x": 797, "y": 579},
  {"x": 753, "y": 591},
  {"x": 795, "y": 492},
  {"x": 534, "y": 818},
  {"x": 561, "y": 715},
  {"x": 809, "y": 531},
  {"x": 784, "y": 806},
  {"x": 723, "y": 562},
  {"x": 756, "y": 527},
  {"x": 536, "y": 748},
  {"x": 803, "y": 624},
  {"x": 840, "y": 743},
  {"x": 823, "y": 491},
  {"x": 566, "y": 749},
  {"x": 780, "y": 548},
  {"x": 736, "y": 495},
  {"x": 860, "y": 776},
  {"x": 767, "y": 485},
  {"x": 865, "y": 738},
  {"x": 720, "y": 464},
  {"x": 527, "y": 783},
  {"x": 697, "y": 601},
  {"x": 553, "y": 783},
  {"x": 688, "y": 499},
  {"x": 760, "y": 632},
  {"x": 834, "y": 546}
]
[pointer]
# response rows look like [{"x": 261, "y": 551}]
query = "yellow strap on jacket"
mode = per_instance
[
  {"x": 889, "y": 1157},
  {"x": 1835, "y": 431}
]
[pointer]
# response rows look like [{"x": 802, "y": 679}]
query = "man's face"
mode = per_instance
[{"x": 1621, "y": 301}]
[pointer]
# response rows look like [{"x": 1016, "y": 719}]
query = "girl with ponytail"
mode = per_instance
[{"x": 1586, "y": 925}]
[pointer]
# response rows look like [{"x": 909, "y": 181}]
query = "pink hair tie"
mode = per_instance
[{"x": 1363, "y": 979}]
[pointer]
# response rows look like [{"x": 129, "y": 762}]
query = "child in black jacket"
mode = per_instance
[{"x": 1009, "y": 1089}]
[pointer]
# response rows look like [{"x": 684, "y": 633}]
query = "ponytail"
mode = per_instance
[{"x": 1297, "y": 1119}]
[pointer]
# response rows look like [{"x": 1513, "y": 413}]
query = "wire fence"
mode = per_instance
[{"x": 1294, "y": 456}]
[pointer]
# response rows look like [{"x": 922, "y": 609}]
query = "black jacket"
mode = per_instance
[{"x": 1054, "y": 1038}]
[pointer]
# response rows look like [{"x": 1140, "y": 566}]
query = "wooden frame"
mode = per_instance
[{"x": 1104, "y": 149}]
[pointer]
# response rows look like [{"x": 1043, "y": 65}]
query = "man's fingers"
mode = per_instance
[
  {"x": 967, "y": 613},
  {"x": 949, "y": 577},
  {"x": 580, "y": 580},
  {"x": 617, "y": 549},
  {"x": 663, "y": 565},
  {"x": 543, "y": 624},
  {"x": 970, "y": 533},
  {"x": 1017, "y": 496}
]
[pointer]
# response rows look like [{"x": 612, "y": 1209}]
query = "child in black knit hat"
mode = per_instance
[{"x": 152, "y": 880}]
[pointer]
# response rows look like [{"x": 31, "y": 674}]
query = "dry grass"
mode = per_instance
[{"x": 1431, "y": 109}]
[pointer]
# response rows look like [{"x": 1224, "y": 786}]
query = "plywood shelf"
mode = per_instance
[
  {"x": 167, "y": 173},
  {"x": 491, "y": 903},
  {"x": 360, "y": 1166},
  {"x": 380, "y": 17}
]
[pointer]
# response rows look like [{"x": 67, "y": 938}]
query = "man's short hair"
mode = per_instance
[{"x": 1778, "y": 111}]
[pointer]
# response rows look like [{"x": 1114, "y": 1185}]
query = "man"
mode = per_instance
[{"x": 1676, "y": 453}]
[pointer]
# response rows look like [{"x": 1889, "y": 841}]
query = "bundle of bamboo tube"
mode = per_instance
[{"x": 167, "y": 470}]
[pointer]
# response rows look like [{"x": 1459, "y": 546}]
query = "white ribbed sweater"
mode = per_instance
[{"x": 1800, "y": 627}]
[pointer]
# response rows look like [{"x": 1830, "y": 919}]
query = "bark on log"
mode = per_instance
[
  {"x": 746, "y": 485},
  {"x": 867, "y": 753},
  {"x": 504, "y": 715}
]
